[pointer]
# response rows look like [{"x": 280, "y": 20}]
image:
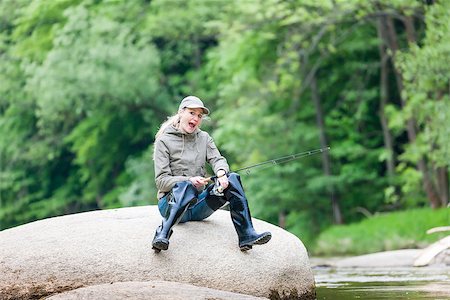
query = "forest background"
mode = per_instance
[{"x": 86, "y": 83}]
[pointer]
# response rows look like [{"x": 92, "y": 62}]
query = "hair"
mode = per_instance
[{"x": 173, "y": 120}]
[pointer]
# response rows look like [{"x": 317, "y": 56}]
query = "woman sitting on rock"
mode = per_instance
[{"x": 181, "y": 152}]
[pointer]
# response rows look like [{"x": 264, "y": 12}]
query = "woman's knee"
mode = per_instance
[
  {"x": 184, "y": 193},
  {"x": 234, "y": 178},
  {"x": 233, "y": 175}
]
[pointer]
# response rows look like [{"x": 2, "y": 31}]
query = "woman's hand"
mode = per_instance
[
  {"x": 222, "y": 178},
  {"x": 198, "y": 181},
  {"x": 223, "y": 181}
]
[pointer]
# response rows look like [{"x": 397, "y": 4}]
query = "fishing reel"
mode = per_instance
[{"x": 217, "y": 189}]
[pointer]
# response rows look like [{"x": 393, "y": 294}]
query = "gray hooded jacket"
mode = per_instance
[{"x": 179, "y": 156}]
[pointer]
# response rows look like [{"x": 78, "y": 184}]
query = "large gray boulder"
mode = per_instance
[{"x": 61, "y": 254}]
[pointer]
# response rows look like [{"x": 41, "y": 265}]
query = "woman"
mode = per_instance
[{"x": 181, "y": 151}]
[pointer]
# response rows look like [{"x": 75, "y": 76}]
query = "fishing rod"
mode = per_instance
[
  {"x": 283, "y": 159},
  {"x": 266, "y": 164}
]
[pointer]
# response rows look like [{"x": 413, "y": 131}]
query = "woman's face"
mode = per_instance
[{"x": 190, "y": 119}]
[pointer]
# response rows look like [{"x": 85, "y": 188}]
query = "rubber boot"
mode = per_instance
[
  {"x": 240, "y": 214},
  {"x": 181, "y": 197}
]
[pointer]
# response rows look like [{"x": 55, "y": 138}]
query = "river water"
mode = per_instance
[{"x": 383, "y": 283}]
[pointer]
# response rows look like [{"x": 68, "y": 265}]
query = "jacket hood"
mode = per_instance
[{"x": 175, "y": 131}]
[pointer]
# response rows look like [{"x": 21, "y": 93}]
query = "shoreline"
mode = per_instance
[{"x": 395, "y": 258}]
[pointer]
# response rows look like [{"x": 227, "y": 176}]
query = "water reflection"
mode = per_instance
[{"x": 383, "y": 283}]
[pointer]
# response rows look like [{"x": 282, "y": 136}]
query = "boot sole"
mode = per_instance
[
  {"x": 264, "y": 239},
  {"x": 260, "y": 241},
  {"x": 245, "y": 248},
  {"x": 159, "y": 245}
]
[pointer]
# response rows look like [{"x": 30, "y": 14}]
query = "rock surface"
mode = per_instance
[
  {"x": 155, "y": 290},
  {"x": 65, "y": 253},
  {"x": 396, "y": 258}
]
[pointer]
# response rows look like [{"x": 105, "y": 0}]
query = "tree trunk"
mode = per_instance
[
  {"x": 326, "y": 162},
  {"x": 384, "y": 91},
  {"x": 282, "y": 219},
  {"x": 430, "y": 190},
  {"x": 443, "y": 185}
]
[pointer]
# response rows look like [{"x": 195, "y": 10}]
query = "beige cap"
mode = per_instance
[{"x": 193, "y": 102}]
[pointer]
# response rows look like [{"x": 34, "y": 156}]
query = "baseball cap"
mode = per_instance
[{"x": 193, "y": 102}]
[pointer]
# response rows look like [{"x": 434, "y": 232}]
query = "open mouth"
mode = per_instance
[{"x": 192, "y": 125}]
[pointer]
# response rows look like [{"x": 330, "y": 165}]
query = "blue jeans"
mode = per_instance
[{"x": 197, "y": 212}]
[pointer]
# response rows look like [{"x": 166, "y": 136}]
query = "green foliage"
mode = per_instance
[
  {"x": 34, "y": 26},
  {"x": 70, "y": 122},
  {"x": 426, "y": 77},
  {"x": 183, "y": 33},
  {"x": 142, "y": 189},
  {"x": 427, "y": 104},
  {"x": 383, "y": 232}
]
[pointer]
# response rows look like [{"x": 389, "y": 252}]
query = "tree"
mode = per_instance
[{"x": 425, "y": 79}]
